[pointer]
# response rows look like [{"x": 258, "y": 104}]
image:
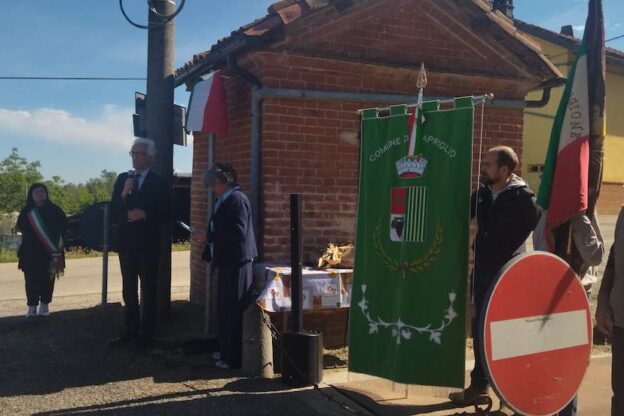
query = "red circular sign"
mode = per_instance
[{"x": 537, "y": 334}]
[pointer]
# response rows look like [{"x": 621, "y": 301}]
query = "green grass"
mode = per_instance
[{"x": 8, "y": 256}]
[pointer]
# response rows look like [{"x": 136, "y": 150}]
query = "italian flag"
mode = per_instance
[
  {"x": 564, "y": 188},
  {"x": 207, "y": 109}
]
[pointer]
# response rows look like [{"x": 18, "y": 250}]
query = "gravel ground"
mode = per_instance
[{"x": 62, "y": 365}]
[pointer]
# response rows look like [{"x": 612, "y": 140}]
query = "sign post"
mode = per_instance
[
  {"x": 95, "y": 235},
  {"x": 105, "y": 248},
  {"x": 537, "y": 334}
]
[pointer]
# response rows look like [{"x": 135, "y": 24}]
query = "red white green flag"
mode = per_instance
[
  {"x": 564, "y": 189},
  {"x": 207, "y": 109}
]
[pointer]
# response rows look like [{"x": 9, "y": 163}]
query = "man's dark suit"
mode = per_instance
[
  {"x": 231, "y": 235},
  {"x": 138, "y": 245}
]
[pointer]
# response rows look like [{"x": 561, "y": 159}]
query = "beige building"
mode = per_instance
[{"x": 560, "y": 48}]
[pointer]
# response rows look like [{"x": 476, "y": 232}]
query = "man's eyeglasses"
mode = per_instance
[{"x": 140, "y": 154}]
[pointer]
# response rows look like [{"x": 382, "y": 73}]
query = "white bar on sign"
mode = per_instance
[{"x": 536, "y": 334}]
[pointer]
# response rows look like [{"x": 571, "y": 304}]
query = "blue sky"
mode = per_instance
[{"x": 76, "y": 129}]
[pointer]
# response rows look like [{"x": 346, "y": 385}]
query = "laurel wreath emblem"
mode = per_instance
[{"x": 417, "y": 265}]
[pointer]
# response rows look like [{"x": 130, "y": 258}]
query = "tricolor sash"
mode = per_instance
[{"x": 56, "y": 250}]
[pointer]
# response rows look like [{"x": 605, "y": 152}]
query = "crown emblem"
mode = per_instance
[{"x": 411, "y": 166}]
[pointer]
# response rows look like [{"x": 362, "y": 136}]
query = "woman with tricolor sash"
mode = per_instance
[{"x": 41, "y": 255}]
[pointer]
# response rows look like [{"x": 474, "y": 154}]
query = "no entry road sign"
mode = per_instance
[{"x": 536, "y": 330}]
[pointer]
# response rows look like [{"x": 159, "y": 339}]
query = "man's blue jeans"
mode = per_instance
[{"x": 570, "y": 409}]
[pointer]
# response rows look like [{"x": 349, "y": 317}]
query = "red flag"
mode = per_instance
[{"x": 207, "y": 109}]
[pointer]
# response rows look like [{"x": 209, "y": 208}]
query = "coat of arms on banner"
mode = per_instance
[{"x": 408, "y": 214}]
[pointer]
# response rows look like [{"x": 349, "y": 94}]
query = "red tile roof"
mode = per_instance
[{"x": 282, "y": 13}]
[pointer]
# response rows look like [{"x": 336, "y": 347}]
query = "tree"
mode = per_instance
[
  {"x": 76, "y": 198},
  {"x": 16, "y": 176},
  {"x": 56, "y": 190}
]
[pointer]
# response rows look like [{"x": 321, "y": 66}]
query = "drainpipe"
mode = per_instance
[
  {"x": 263, "y": 93},
  {"x": 546, "y": 88},
  {"x": 209, "y": 324},
  {"x": 256, "y": 155}
]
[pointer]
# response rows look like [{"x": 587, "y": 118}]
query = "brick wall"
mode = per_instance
[{"x": 312, "y": 147}]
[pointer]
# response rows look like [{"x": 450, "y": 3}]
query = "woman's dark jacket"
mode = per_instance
[
  {"x": 32, "y": 251},
  {"x": 232, "y": 238}
]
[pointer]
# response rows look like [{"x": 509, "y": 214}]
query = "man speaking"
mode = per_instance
[{"x": 139, "y": 206}]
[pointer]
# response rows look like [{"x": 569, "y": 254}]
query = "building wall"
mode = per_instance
[
  {"x": 614, "y": 144},
  {"x": 538, "y": 124},
  {"x": 312, "y": 147}
]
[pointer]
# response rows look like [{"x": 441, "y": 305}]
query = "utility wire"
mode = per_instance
[
  {"x": 565, "y": 53},
  {"x": 617, "y": 37},
  {"x": 73, "y": 78}
]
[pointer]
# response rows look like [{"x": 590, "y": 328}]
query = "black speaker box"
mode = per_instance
[{"x": 302, "y": 358}]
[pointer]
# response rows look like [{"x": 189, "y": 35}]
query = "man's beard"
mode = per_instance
[{"x": 486, "y": 179}]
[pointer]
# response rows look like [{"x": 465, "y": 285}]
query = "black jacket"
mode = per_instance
[
  {"x": 504, "y": 225},
  {"x": 140, "y": 237},
  {"x": 32, "y": 251},
  {"x": 233, "y": 238}
]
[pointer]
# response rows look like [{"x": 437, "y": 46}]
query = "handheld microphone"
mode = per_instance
[{"x": 132, "y": 175}]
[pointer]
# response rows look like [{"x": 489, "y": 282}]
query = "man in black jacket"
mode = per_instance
[
  {"x": 506, "y": 213},
  {"x": 140, "y": 205},
  {"x": 230, "y": 248}
]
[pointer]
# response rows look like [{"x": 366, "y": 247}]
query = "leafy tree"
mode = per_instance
[
  {"x": 56, "y": 189},
  {"x": 75, "y": 198},
  {"x": 16, "y": 175}
]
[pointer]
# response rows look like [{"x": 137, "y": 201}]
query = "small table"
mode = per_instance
[{"x": 322, "y": 289}]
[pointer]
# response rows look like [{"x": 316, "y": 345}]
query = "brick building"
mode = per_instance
[{"x": 296, "y": 77}]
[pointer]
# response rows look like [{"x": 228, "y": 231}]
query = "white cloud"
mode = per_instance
[{"x": 111, "y": 128}]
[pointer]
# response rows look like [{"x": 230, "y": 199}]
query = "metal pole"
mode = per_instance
[
  {"x": 296, "y": 262},
  {"x": 209, "y": 318},
  {"x": 159, "y": 109},
  {"x": 105, "y": 248},
  {"x": 256, "y": 165}
]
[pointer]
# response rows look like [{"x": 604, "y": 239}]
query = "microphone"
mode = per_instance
[{"x": 132, "y": 175}]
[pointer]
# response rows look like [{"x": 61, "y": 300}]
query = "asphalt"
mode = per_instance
[
  {"x": 63, "y": 364},
  {"x": 84, "y": 277}
]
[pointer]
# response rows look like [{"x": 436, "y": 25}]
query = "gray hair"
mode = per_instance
[
  {"x": 222, "y": 172},
  {"x": 149, "y": 143}
]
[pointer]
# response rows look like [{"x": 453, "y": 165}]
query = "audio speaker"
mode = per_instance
[{"x": 302, "y": 357}]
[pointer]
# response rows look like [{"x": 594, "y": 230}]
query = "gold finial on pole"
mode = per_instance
[{"x": 422, "y": 77}]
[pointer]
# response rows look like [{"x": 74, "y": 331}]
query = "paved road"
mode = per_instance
[
  {"x": 62, "y": 365},
  {"x": 84, "y": 276}
]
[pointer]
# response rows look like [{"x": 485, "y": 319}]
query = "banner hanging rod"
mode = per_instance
[{"x": 476, "y": 99}]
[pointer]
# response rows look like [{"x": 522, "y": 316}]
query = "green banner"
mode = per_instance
[{"x": 407, "y": 319}]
